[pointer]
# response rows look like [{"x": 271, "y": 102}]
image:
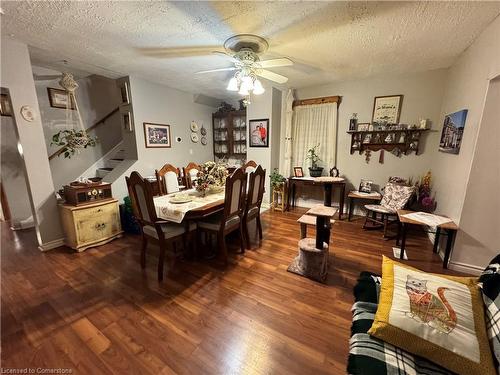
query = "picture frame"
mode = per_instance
[
  {"x": 387, "y": 109},
  {"x": 157, "y": 135},
  {"x": 127, "y": 121},
  {"x": 452, "y": 133},
  {"x": 298, "y": 172},
  {"x": 363, "y": 127},
  {"x": 59, "y": 98},
  {"x": 365, "y": 186},
  {"x": 5, "y": 107},
  {"x": 124, "y": 92},
  {"x": 258, "y": 133}
]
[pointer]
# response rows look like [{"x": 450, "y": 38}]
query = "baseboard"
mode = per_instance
[
  {"x": 51, "y": 245},
  {"x": 465, "y": 268}
]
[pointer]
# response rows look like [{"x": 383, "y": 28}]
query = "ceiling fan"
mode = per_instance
[{"x": 243, "y": 50}]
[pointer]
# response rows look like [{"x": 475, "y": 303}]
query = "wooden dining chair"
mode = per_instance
[
  {"x": 167, "y": 179},
  {"x": 231, "y": 217},
  {"x": 254, "y": 201},
  {"x": 191, "y": 174},
  {"x": 249, "y": 166},
  {"x": 153, "y": 228}
]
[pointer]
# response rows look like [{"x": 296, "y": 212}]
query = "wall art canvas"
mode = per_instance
[
  {"x": 157, "y": 135},
  {"x": 386, "y": 109},
  {"x": 453, "y": 130}
]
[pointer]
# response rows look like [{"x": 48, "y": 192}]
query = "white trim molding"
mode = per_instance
[
  {"x": 465, "y": 268},
  {"x": 51, "y": 244}
]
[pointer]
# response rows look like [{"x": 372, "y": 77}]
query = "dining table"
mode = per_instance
[{"x": 199, "y": 205}]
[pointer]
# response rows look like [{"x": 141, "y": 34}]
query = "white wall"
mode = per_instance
[
  {"x": 466, "y": 89},
  {"x": 478, "y": 239},
  {"x": 266, "y": 106},
  {"x": 423, "y": 94},
  {"x": 16, "y": 75},
  {"x": 155, "y": 103},
  {"x": 96, "y": 97}
]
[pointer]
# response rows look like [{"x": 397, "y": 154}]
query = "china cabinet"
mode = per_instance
[{"x": 230, "y": 132}]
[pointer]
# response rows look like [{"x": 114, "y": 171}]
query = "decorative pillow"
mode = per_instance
[
  {"x": 437, "y": 317},
  {"x": 396, "y": 196},
  {"x": 490, "y": 279}
]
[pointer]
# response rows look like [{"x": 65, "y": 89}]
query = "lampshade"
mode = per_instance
[
  {"x": 247, "y": 83},
  {"x": 243, "y": 91},
  {"x": 232, "y": 85},
  {"x": 258, "y": 88}
]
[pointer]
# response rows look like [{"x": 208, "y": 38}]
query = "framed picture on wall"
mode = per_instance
[
  {"x": 387, "y": 109},
  {"x": 453, "y": 130},
  {"x": 259, "y": 133},
  {"x": 298, "y": 172},
  {"x": 124, "y": 91},
  {"x": 157, "y": 135},
  {"x": 60, "y": 99},
  {"x": 5, "y": 109},
  {"x": 127, "y": 123}
]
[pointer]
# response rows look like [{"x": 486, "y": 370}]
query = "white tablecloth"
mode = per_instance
[{"x": 175, "y": 212}]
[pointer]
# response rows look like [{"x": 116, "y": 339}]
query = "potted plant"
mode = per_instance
[
  {"x": 277, "y": 180},
  {"x": 72, "y": 141},
  {"x": 312, "y": 155}
]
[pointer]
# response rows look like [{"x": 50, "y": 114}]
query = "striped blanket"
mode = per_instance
[{"x": 370, "y": 356}]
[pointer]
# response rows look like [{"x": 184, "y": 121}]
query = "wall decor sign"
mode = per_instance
[
  {"x": 363, "y": 127},
  {"x": 124, "y": 92},
  {"x": 60, "y": 99},
  {"x": 157, "y": 135},
  {"x": 5, "y": 109},
  {"x": 453, "y": 130},
  {"x": 387, "y": 109},
  {"x": 259, "y": 133}
]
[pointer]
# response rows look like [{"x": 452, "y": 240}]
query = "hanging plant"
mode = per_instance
[{"x": 72, "y": 141}]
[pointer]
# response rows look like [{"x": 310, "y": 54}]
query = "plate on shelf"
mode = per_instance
[
  {"x": 194, "y": 137},
  {"x": 204, "y": 141},
  {"x": 203, "y": 131},
  {"x": 194, "y": 126}
]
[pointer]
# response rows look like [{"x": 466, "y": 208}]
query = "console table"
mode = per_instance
[{"x": 328, "y": 187}]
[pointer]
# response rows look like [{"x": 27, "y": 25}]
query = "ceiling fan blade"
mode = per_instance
[
  {"x": 226, "y": 55},
  {"x": 215, "y": 70},
  {"x": 275, "y": 62},
  {"x": 275, "y": 77},
  {"x": 37, "y": 77},
  {"x": 168, "y": 52}
]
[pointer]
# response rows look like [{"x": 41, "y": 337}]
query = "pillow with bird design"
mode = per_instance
[{"x": 437, "y": 317}]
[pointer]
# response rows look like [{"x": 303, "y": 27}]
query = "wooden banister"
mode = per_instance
[{"x": 101, "y": 121}]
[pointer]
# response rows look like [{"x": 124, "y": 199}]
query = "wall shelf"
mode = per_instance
[{"x": 406, "y": 140}]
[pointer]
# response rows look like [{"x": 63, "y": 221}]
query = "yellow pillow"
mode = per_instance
[{"x": 437, "y": 317}]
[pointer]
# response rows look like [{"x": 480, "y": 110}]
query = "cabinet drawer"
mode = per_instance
[
  {"x": 95, "y": 212},
  {"x": 97, "y": 223}
]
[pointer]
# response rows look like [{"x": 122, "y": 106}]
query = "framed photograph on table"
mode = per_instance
[
  {"x": 157, "y": 135},
  {"x": 60, "y": 99},
  {"x": 365, "y": 186},
  {"x": 387, "y": 109},
  {"x": 298, "y": 172},
  {"x": 258, "y": 132}
]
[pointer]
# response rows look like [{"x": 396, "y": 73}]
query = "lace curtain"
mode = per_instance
[
  {"x": 286, "y": 167},
  {"x": 312, "y": 125}
]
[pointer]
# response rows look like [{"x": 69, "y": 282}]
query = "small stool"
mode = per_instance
[
  {"x": 306, "y": 220},
  {"x": 311, "y": 261}
]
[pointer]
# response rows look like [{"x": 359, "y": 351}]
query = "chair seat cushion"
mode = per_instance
[
  {"x": 213, "y": 222},
  {"x": 380, "y": 209},
  {"x": 169, "y": 230}
]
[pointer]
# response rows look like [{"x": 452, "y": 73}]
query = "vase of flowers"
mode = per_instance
[
  {"x": 211, "y": 178},
  {"x": 425, "y": 201}
]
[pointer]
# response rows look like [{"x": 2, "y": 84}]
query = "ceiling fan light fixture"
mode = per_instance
[
  {"x": 247, "y": 83},
  {"x": 258, "y": 89},
  {"x": 232, "y": 85},
  {"x": 243, "y": 91}
]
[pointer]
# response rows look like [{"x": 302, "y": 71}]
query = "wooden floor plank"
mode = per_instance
[{"x": 98, "y": 312}]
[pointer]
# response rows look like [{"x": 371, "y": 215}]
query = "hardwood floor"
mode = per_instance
[{"x": 97, "y": 312}]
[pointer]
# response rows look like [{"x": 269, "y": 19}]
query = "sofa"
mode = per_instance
[{"x": 369, "y": 355}]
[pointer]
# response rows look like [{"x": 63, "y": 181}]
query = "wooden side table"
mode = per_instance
[
  {"x": 450, "y": 230},
  {"x": 356, "y": 195}
]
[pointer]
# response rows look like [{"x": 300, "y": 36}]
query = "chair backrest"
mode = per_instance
[
  {"x": 191, "y": 174},
  {"x": 249, "y": 166},
  {"x": 141, "y": 197},
  {"x": 256, "y": 188},
  {"x": 168, "y": 179},
  {"x": 396, "y": 196},
  {"x": 235, "y": 194}
]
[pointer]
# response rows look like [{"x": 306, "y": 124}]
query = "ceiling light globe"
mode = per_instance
[
  {"x": 232, "y": 85},
  {"x": 247, "y": 83},
  {"x": 258, "y": 89},
  {"x": 243, "y": 91}
]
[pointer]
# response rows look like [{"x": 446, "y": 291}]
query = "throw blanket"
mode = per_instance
[{"x": 371, "y": 356}]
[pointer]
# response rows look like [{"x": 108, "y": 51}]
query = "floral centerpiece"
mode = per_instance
[
  {"x": 211, "y": 176},
  {"x": 425, "y": 200}
]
